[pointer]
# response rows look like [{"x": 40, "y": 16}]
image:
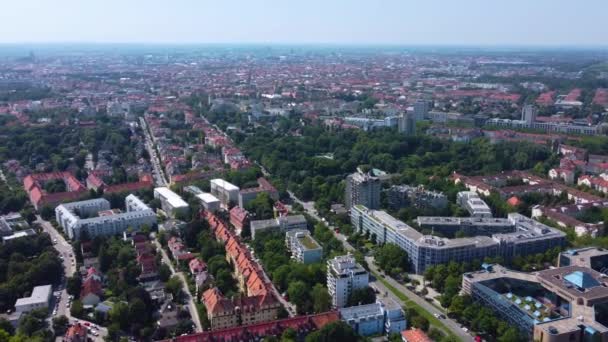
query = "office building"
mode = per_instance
[
  {"x": 39, "y": 299},
  {"x": 344, "y": 276},
  {"x": 514, "y": 236},
  {"x": 303, "y": 247},
  {"x": 226, "y": 192},
  {"x": 407, "y": 124},
  {"x": 421, "y": 110},
  {"x": 97, "y": 218},
  {"x": 476, "y": 207},
  {"x": 209, "y": 202},
  {"x": 171, "y": 203},
  {"x": 281, "y": 223},
  {"x": 362, "y": 188},
  {"x": 567, "y": 303}
]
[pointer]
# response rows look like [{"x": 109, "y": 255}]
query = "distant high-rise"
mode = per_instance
[
  {"x": 407, "y": 124},
  {"x": 528, "y": 114},
  {"x": 421, "y": 109},
  {"x": 362, "y": 188}
]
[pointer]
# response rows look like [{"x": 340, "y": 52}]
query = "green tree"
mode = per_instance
[
  {"x": 60, "y": 324},
  {"x": 77, "y": 310},
  {"x": 73, "y": 286},
  {"x": 390, "y": 257},
  {"x": 335, "y": 331},
  {"x": 299, "y": 295},
  {"x": 119, "y": 314},
  {"x": 321, "y": 298},
  {"x": 164, "y": 272}
]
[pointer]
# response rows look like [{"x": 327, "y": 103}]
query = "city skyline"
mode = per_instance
[{"x": 391, "y": 22}]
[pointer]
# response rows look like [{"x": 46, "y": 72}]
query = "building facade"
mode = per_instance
[
  {"x": 343, "y": 276},
  {"x": 97, "y": 219},
  {"x": 362, "y": 188},
  {"x": 303, "y": 247},
  {"x": 524, "y": 236},
  {"x": 171, "y": 203}
]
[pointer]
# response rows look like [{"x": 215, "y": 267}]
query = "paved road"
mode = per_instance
[
  {"x": 191, "y": 304},
  {"x": 158, "y": 174},
  {"x": 65, "y": 250},
  {"x": 450, "y": 323}
]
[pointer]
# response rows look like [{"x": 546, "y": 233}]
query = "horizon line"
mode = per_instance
[{"x": 338, "y": 44}]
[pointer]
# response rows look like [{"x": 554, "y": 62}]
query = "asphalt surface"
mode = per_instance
[
  {"x": 191, "y": 304},
  {"x": 66, "y": 251},
  {"x": 158, "y": 174}
]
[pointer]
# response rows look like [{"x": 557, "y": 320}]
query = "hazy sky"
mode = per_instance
[{"x": 468, "y": 22}]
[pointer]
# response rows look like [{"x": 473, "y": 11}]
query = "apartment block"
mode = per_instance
[
  {"x": 97, "y": 218},
  {"x": 303, "y": 247},
  {"x": 343, "y": 276},
  {"x": 226, "y": 192},
  {"x": 171, "y": 203},
  {"x": 522, "y": 236},
  {"x": 362, "y": 188}
]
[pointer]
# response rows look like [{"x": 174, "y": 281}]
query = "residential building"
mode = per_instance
[
  {"x": 260, "y": 330},
  {"x": 171, "y": 203},
  {"x": 516, "y": 235},
  {"x": 476, "y": 207},
  {"x": 362, "y": 188},
  {"x": 399, "y": 196},
  {"x": 281, "y": 223},
  {"x": 385, "y": 316},
  {"x": 226, "y": 192},
  {"x": 91, "y": 292},
  {"x": 239, "y": 218},
  {"x": 421, "y": 110},
  {"x": 34, "y": 186},
  {"x": 97, "y": 219},
  {"x": 344, "y": 275},
  {"x": 528, "y": 114},
  {"x": 76, "y": 333},
  {"x": 303, "y": 247},
  {"x": 264, "y": 186},
  {"x": 40, "y": 298},
  {"x": 18, "y": 235},
  {"x": 209, "y": 202}
]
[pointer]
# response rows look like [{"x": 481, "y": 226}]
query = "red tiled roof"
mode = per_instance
[
  {"x": 415, "y": 335},
  {"x": 254, "y": 331},
  {"x": 91, "y": 286}
]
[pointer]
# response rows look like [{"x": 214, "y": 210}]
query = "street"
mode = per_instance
[
  {"x": 66, "y": 252},
  {"x": 191, "y": 304},
  {"x": 158, "y": 174}
]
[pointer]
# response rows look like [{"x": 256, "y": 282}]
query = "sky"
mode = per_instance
[{"x": 394, "y": 22}]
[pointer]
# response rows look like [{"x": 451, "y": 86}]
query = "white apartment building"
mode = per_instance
[
  {"x": 97, "y": 219},
  {"x": 40, "y": 298},
  {"x": 209, "y": 202},
  {"x": 171, "y": 203},
  {"x": 343, "y": 276},
  {"x": 303, "y": 247},
  {"x": 471, "y": 201},
  {"x": 226, "y": 192}
]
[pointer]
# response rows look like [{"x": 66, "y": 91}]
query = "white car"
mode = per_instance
[{"x": 465, "y": 329}]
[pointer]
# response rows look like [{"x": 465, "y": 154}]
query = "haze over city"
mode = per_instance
[
  {"x": 303, "y": 171},
  {"x": 401, "y": 22}
]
